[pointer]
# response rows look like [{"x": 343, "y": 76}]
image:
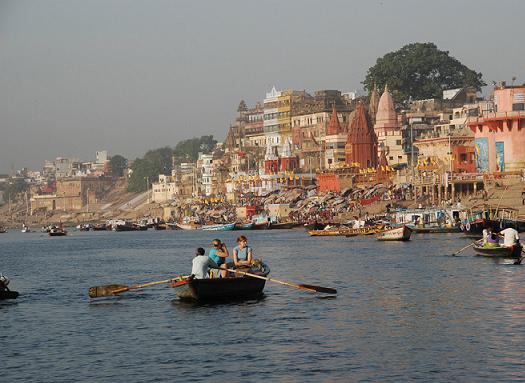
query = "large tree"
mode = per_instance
[
  {"x": 420, "y": 71},
  {"x": 117, "y": 165},
  {"x": 147, "y": 169}
]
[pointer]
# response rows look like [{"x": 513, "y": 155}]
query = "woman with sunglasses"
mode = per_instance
[{"x": 218, "y": 253}]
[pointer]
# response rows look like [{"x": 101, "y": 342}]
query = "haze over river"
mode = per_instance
[{"x": 404, "y": 312}]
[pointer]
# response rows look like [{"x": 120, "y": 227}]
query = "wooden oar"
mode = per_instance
[
  {"x": 309, "y": 288},
  {"x": 464, "y": 248},
  {"x": 108, "y": 290}
]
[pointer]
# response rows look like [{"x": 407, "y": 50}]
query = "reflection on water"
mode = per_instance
[{"x": 404, "y": 312}]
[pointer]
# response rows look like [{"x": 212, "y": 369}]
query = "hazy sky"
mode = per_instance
[{"x": 77, "y": 76}]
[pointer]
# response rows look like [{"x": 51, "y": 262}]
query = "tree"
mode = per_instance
[
  {"x": 15, "y": 186},
  {"x": 188, "y": 150},
  {"x": 155, "y": 162},
  {"x": 117, "y": 165},
  {"x": 420, "y": 71}
]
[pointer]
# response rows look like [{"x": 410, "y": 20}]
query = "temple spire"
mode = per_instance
[{"x": 334, "y": 127}]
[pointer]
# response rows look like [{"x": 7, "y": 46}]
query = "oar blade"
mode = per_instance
[
  {"x": 320, "y": 289},
  {"x": 106, "y": 290}
]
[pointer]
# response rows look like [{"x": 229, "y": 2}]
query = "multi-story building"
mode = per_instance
[
  {"x": 500, "y": 134},
  {"x": 278, "y": 106},
  {"x": 309, "y": 123},
  {"x": 254, "y": 127}
]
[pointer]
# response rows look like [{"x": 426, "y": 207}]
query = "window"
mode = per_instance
[
  {"x": 398, "y": 142},
  {"x": 520, "y": 106}
]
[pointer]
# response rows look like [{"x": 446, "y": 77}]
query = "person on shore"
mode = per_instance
[
  {"x": 242, "y": 253},
  {"x": 218, "y": 254},
  {"x": 202, "y": 264}
]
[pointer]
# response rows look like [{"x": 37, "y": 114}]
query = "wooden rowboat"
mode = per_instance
[
  {"x": 498, "y": 251},
  {"x": 401, "y": 233},
  {"x": 221, "y": 289}
]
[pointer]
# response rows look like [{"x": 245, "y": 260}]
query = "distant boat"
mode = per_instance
[
  {"x": 219, "y": 227},
  {"x": 25, "y": 229},
  {"x": 244, "y": 226},
  {"x": 57, "y": 232},
  {"x": 401, "y": 233},
  {"x": 3, "y": 230},
  {"x": 188, "y": 226}
]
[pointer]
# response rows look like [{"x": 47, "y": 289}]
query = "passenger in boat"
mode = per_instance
[
  {"x": 486, "y": 232},
  {"x": 4, "y": 281},
  {"x": 492, "y": 238},
  {"x": 510, "y": 237},
  {"x": 218, "y": 254},
  {"x": 242, "y": 253},
  {"x": 201, "y": 264}
]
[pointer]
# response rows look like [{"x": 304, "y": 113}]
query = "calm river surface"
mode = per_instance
[{"x": 404, "y": 312}]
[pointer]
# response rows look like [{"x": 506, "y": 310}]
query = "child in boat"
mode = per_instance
[
  {"x": 242, "y": 253},
  {"x": 201, "y": 264}
]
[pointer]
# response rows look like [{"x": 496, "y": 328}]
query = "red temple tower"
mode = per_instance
[{"x": 361, "y": 145}]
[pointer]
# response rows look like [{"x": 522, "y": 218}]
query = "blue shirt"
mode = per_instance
[
  {"x": 242, "y": 255},
  {"x": 215, "y": 258}
]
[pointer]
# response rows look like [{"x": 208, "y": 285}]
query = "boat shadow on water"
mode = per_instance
[{"x": 190, "y": 304}]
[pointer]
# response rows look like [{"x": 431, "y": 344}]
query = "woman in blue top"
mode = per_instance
[
  {"x": 218, "y": 254},
  {"x": 242, "y": 253}
]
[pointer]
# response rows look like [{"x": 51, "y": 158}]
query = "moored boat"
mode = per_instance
[
  {"x": 222, "y": 289},
  {"x": 244, "y": 226},
  {"x": 401, "y": 233},
  {"x": 219, "y": 227},
  {"x": 188, "y": 226},
  {"x": 3, "y": 230},
  {"x": 498, "y": 251},
  {"x": 346, "y": 231}
]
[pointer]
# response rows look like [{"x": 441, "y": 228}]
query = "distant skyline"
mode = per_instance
[{"x": 128, "y": 76}]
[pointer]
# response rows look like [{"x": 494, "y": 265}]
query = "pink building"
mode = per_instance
[{"x": 500, "y": 136}]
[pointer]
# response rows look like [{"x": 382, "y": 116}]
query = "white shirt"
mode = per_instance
[
  {"x": 485, "y": 236},
  {"x": 510, "y": 237},
  {"x": 201, "y": 263}
]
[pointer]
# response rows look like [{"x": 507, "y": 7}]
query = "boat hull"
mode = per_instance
[
  {"x": 396, "y": 234},
  {"x": 57, "y": 233},
  {"x": 219, "y": 289},
  {"x": 8, "y": 294},
  {"x": 347, "y": 232},
  {"x": 243, "y": 226},
  {"x": 498, "y": 252},
  {"x": 225, "y": 227},
  {"x": 188, "y": 226}
]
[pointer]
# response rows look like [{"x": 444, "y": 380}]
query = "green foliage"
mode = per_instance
[
  {"x": 188, "y": 150},
  {"x": 15, "y": 187},
  {"x": 159, "y": 161},
  {"x": 117, "y": 165},
  {"x": 146, "y": 169},
  {"x": 420, "y": 71}
]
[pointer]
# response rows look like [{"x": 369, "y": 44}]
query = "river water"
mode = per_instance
[{"x": 404, "y": 312}]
